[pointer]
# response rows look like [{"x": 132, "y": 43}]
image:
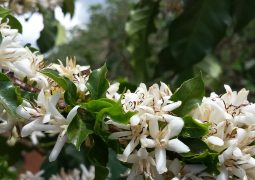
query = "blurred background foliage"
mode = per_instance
[
  {"x": 151, "y": 41},
  {"x": 169, "y": 40}
]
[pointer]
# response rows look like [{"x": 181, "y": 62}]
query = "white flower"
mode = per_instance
[
  {"x": 226, "y": 114},
  {"x": 41, "y": 112},
  {"x": 132, "y": 132},
  {"x": 78, "y": 74},
  {"x": 188, "y": 171},
  {"x": 10, "y": 48},
  {"x": 6, "y": 121},
  {"x": 152, "y": 107},
  {"x": 143, "y": 166},
  {"x": 235, "y": 163},
  {"x": 45, "y": 117},
  {"x": 75, "y": 174},
  {"x": 161, "y": 141},
  {"x": 87, "y": 174},
  {"x": 35, "y": 135},
  {"x": 112, "y": 91},
  {"x": 30, "y": 176}
]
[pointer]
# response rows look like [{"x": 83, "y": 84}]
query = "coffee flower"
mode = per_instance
[
  {"x": 181, "y": 171},
  {"x": 143, "y": 166},
  {"x": 78, "y": 74},
  {"x": 152, "y": 106},
  {"x": 6, "y": 121},
  {"x": 232, "y": 131},
  {"x": 226, "y": 114},
  {"x": 76, "y": 174},
  {"x": 45, "y": 117},
  {"x": 236, "y": 164},
  {"x": 161, "y": 140},
  {"x": 29, "y": 175},
  {"x": 19, "y": 60}
]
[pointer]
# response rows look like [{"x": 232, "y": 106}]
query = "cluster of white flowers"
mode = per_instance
[
  {"x": 42, "y": 115},
  {"x": 150, "y": 139},
  {"x": 24, "y": 6},
  {"x": 154, "y": 128},
  {"x": 232, "y": 132},
  {"x": 75, "y": 174}
]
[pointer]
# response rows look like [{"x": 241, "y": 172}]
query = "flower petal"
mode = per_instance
[
  {"x": 160, "y": 156},
  {"x": 215, "y": 140},
  {"x": 177, "y": 146},
  {"x": 57, "y": 148},
  {"x": 72, "y": 114}
]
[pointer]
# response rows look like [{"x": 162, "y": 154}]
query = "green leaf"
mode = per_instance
[
  {"x": 68, "y": 7},
  {"x": 97, "y": 83},
  {"x": 193, "y": 129},
  {"x": 13, "y": 154},
  {"x": 200, "y": 154},
  {"x": 31, "y": 48},
  {"x": 4, "y": 12},
  {"x": 5, "y": 172},
  {"x": 13, "y": 22},
  {"x": 69, "y": 87},
  {"x": 139, "y": 27},
  {"x": 116, "y": 168},
  {"x": 98, "y": 156},
  {"x": 190, "y": 93},
  {"x": 194, "y": 33},
  {"x": 48, "y": 35},
  {"x": 77, "y": 131},
  {"x": 106, "y": 107},
  {"x": 101, "y": 172},
  {"x": 243, "y": 13},
  {"x": 10, "y": 97}
]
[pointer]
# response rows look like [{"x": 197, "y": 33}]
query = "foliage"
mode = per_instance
[
  {"x": 69, "y": 87},
  {"x": 148, "y": 41},
  {"x": 6, "y": 173},
  {"x": 190, "y": 94},
  {"x": 9, "y": 95}
]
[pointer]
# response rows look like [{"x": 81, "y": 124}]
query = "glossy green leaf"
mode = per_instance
[
  {"x": 97, "y": 83},
  {"x": 68, "y": 7},
  {"x": 6, "y": 16},
  {"x": 13, "y": 22},
  {"x": 4, "y": 12},
  {"x": 69, "y": 87},
  {"x": 116, "y": 168},
  {"x": 98, "y": 156},
  {"x": 78, "y": 131},
  {"x": 101, "y": 172},
  {"x": 190, "y": 93},
  {"x": 139, "y": 27},
  {"x": 10, "y": 97},
  {"x": 106, "y": 107},
  {"x": 200, "y": 154},
  {"x": 194, "y": 33},
  {"x": 48, "y": 35},
  {"x": 193, "y": 129},
  {"x": 243, "y": 13}
]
